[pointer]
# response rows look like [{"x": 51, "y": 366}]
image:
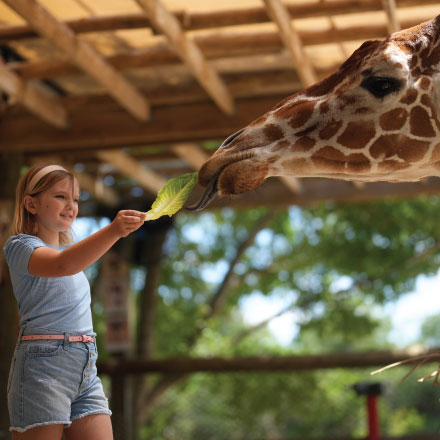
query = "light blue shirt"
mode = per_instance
[{"x": 61, "y": 304}]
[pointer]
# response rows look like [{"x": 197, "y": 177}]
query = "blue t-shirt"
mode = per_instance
[{"x": 61, "y": 304}]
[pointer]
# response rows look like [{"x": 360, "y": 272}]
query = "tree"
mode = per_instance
[{"x": 335, "y": 264}]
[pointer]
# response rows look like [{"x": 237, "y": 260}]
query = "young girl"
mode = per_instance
[{"x": 53, "y": 388}]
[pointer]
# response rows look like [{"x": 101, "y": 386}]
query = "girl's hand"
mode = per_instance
[{"x": 127, "y": 221}]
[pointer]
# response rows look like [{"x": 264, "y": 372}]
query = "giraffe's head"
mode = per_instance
[{"x": 375, "y": 119}]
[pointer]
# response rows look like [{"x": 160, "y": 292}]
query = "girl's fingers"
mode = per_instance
[{"x": 133, "y": 213}]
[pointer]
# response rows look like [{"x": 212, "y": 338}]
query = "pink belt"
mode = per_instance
[{"x": 79, "y": 338}]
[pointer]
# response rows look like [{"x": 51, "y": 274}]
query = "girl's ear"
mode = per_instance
[{"x": 29, "y": 204}]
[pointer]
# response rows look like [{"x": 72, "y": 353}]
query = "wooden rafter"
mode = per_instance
[
  {"x": 205, "y": 20},
  {"x": 117, "y": 41},
  {"x": 101, "y": 125},
  {"x": 391, "y": 11},
  {"x": 191, "y": 153},
  {"x": 144, "y": 177},
  {"x": 44, "y": 106},
  {"x": 280, "y": 15},
  {"x": 213, "y": 45},
  {"x": 189, "y": 52},
  {"x": 82, "y": 54}
]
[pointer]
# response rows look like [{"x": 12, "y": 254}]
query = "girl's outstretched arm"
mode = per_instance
[{"x": 48, "y": 262}]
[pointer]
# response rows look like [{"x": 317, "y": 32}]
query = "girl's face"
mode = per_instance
[{"x": 57, "y": 207}]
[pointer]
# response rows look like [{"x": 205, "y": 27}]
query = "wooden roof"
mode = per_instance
[{"x": 133, "y": 92}]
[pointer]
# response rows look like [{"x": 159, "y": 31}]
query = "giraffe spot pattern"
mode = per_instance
[
  {"x": 334, "y": 158},
  {"x": 281, "y": 145},
  {"x": 429, "y": 57},
  {"x": 358, "y": 166},
  {"x": 357, "y": 134},
  {"x": 413, "y": 61},
  {"x": 273, "y": 132},
  {"x": 426, "y": 101},
  {"x": 260, "y": 121},
  {"x": 330, "y": 159},
  {"x": 306, "y": 131},
  {"x": 296, "y": 166},
  {"x": 394, "y": 119},
  {"x": 425, "y": 83},
  {"x": 324, "y": 107},
  {"x": 301, "y": 114},
  {"x": 409, "y": 150},
  {"x": 363, "y": 110},
  {"x": 409, "y": 97},
  {"x": 298, "y": 112},
  {"x": 328, "y": 164},
  {"x": 330, "y": 129},
  {"x": 391, "y": 165},
  {"x": 346, "y": 101},
  {"x": 420, "y": 122},
  {"x": 303, "y": 144}
]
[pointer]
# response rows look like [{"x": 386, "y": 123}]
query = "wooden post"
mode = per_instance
[
  {"x": 114, "y": 290},
  {"x": 10, "y": 165},
  {"x": 121, "y": 405}
]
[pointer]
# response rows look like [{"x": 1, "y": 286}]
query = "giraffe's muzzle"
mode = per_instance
[{"x": 209, "y": 195}]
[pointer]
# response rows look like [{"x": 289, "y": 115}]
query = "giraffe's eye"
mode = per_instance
[{"x": 380, "y": 86}]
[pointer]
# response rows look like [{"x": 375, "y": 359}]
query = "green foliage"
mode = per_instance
[
  {"x": 336, "y": 265},
  {"x": 430, "y": 332}
]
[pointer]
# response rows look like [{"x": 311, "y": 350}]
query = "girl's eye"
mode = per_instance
[{"x": 60, "y": 197}]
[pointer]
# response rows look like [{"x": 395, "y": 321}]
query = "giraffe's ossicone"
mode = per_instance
[{"x": 375, "y": 119}]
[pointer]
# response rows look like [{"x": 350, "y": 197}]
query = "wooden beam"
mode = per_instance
[
  {"x": 292, "y": 41},
  {"x": 191, "y": 153},
  {"x": 281, "y": 81},
  {"x": 266, "y": 363},
  {"x": 144, "y": 177},
  {"x": 210, "y": 19},
  {"x": 44, "y": 106},
  {"x": 102, "y": 125},
  {"x": 213, "y": 45},
  {"x": 82, "y": 54},
  {"x": 391, "y": 11},
  {"x": 189, "y": 52}
]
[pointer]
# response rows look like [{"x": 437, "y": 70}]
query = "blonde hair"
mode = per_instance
[{"x": 24, "y": 222}]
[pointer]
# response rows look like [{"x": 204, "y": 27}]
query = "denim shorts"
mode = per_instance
[{"x": 53, "y": 382}]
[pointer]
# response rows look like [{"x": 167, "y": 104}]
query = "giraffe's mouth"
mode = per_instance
[
  {"x": 228, "y": 174},
  {"x": 209, "y": 195}
]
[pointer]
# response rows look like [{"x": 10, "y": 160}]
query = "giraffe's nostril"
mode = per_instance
[{"x": 231, "y": 138}]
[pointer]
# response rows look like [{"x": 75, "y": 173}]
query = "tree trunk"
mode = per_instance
[
  {"x": 152, "y": 252},
  {"x": 9, "y": 173}
]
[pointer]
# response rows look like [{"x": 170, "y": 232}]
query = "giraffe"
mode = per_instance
[{"x": 375, "y": 119}]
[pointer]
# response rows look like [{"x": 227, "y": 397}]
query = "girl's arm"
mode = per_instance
[{"x": 47, "y": 262}]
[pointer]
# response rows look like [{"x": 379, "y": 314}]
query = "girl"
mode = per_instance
[{"x": 53, "y": 388}]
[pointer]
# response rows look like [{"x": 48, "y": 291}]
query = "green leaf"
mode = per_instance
[{"x": 172, "y": 196}]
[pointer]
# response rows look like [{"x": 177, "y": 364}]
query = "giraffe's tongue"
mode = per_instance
[{"x": 209, "y": 195}]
